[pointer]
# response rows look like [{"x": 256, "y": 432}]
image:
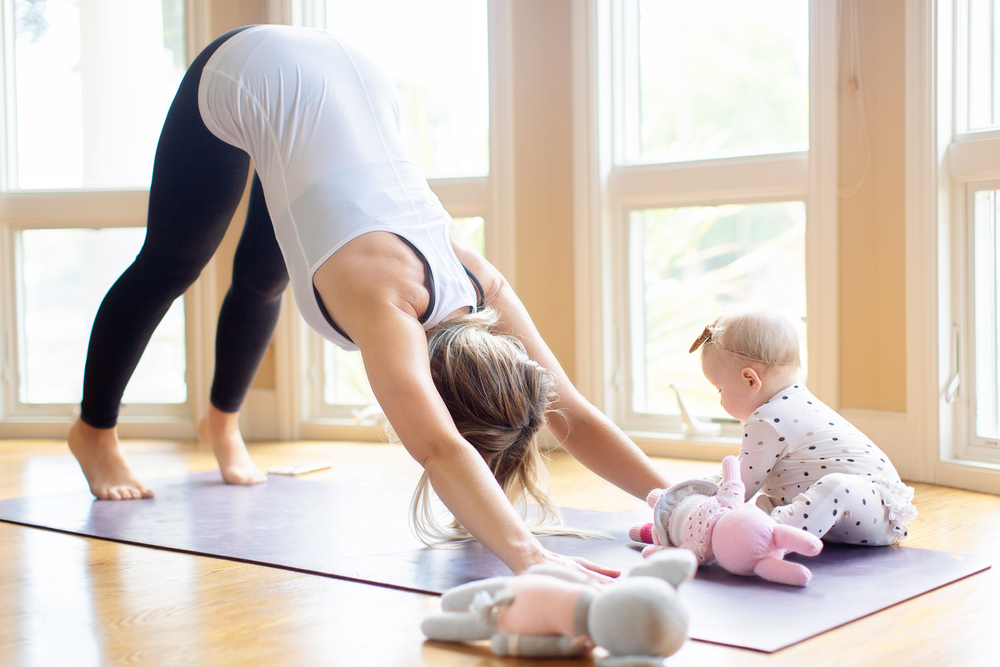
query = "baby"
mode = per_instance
[{"x": 815, "y": 471}]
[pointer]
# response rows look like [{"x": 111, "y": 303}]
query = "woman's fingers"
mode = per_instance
[
  {"x": 593, "y": 571},
  {"x": 601, "y": 572}
]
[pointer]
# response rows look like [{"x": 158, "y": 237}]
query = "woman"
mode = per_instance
[{"x": 374, "y": 266}]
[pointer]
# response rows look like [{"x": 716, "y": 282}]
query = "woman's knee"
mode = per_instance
[
  {"x": 262, "y": 283},
  {"x": 165, "y": 270}
]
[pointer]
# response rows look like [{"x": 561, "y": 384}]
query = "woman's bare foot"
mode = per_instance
[
  {"x": 99, "y": 454},
  {"x": 221, "y": 430}
]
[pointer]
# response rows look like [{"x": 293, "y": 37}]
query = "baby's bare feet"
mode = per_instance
[
  {"x": 99, "y": 455},
  {"x": 221, "y": 431}
]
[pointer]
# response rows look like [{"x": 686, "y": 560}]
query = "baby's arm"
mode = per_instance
[{"x": 762, "y": 447}]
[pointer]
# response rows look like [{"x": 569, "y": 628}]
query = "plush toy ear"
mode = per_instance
[
  {"x": 673, "y": 565},
  {"x": 530, "y": 646},
  {"x": 730, "y": 469},
  {"x": 455, "y": 626},
  {"x": 460, "y": 598},
  {"x": 783, "y": 571},
  {"x": 799, "y": 541},
  {"x": 629, "y": 661},
  {"x": 651, "y": 549},
  {"x": 731, "y": 493},
  {"x": 654, "y": 496},
  {"x": 642, "y": 532}
]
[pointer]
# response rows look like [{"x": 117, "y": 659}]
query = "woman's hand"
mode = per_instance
[{"x": 593, "y": 571}]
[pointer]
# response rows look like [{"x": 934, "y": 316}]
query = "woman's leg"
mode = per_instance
[
  {"x": 197, "y": 183},
  {"x": 247, "y": 321}
]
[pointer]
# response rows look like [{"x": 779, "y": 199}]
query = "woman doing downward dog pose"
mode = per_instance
[{"x": 453, "y": 358}]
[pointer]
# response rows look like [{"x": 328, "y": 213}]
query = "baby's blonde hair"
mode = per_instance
[
  {"x": 498, "y": 398},
  {"x": 757, "y": 335}
]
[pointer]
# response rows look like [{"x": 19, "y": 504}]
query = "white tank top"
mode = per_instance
[{"x": 321, "y": 123}]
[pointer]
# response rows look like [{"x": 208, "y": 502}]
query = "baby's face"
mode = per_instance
[{"x": 735, "y": 393}]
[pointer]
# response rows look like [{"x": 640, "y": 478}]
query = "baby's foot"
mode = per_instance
[
  {"x": 99, "y": 455},
  {"x": 221, "y": 431}
]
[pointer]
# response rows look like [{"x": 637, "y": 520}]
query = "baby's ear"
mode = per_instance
[
  {"x": 673, "y": 565},
  {"x": 751, "y": 379}
]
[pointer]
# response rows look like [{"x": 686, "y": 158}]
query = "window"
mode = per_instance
[
  {"x": 695, "y": 262},
  {"x": 725, "y": 78},
  {"x": 80, "y": 114},
  {"x": 971, "y": 354},
  {"x": 436, "y": 52},
  {"x": 344, "y": 381},
  {"x": 64, "y": 274},
  {"x": 978, "y": 60},
  {"x": 984, "y": 304},
  {"x": 438, "y": 55},
  {"x": 80, "y": 126},
  {"x": 707, "y": 135}
]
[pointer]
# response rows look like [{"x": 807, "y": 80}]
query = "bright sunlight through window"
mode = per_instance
[
  {"x": 721, "y": 78},
  {"x": 436, "y": 52},
  {"x": 65, "y": 274},
  {"x": 986, "y": 302},
  {"x": 695, "y": 264},
  {"x": 92, "y": 83}
]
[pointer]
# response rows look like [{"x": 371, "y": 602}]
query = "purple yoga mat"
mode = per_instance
[{"x": 361, "y": 533}]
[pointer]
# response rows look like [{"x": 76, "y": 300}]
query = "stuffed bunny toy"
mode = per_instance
[
  {"x": 716, "y": 524},
  {"x": 557, "y": 612}
]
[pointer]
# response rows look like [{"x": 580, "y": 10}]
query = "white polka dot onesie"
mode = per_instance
[{"x": 821, "y": 474}]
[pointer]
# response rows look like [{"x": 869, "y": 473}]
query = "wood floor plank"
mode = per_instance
[{"x": 69, "y": 600}]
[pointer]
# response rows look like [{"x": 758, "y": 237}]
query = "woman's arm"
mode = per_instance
[
  {"x": 583, "y": 430},
  {"x": 394, "y": 346},
  {"x": 374, "y": 305}
]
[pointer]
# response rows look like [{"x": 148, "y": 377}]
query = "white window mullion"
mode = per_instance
[
  {"x": 643, "y": 186},
  {"x": 463, "y": 197},
  {"x": 44, "y": 214},
  {"x": 955, "y": 58},
  {"x": 771, "y": 177},
  {"x": 470, "y": 199},
  {"x": 822, "y": 203}
]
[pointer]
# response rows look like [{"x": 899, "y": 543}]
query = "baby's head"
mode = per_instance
[{"x": 748, "y": 356}]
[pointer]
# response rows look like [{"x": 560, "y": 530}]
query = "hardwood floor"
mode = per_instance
[{"x": 67, "y": 600}]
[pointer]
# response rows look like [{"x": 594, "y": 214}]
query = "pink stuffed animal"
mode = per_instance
[{"x": 717, "y": 525}]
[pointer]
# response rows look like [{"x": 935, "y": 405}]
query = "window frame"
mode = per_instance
[
  {"x": 300, "y": 410},
  {"x": 87, "y": 208},
  {"x": 973, "y": 167},
  {"x": 970, "y": 445},
  {"x": 941, "y": 161},
  {"x": 967, "y": 163},
  {"x": 607, "y": 193}
]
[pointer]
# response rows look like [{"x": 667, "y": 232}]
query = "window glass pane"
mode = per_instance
[
  {"x": 983, "y": 61},
  {"x": 436, "y": 52},
  {"x": 345, "y": 381},
  {"x": 64, "y": 275},
  {"x": 689, "y": 266},
  {"x": 986, "y": 295},
  {"x": 718, "y": 78},
  {"x": 92, "y": 83}
]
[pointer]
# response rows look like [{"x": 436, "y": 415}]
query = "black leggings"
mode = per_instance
[{"x": 198, "y": 181}]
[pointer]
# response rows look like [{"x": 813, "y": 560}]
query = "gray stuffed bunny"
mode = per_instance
[{"x": 558, "y": 612}]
